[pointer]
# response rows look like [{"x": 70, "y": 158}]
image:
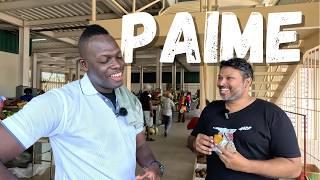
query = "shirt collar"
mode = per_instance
[{"x": 86, "y": 86}]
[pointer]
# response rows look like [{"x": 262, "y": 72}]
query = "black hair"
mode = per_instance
[
  {"x": 90, "y": 31},
  {"x": 240, "y": 64},
  {"x": 27, "y": 91}
]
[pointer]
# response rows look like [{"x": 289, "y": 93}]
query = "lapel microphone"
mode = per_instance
[
  {"x": 226, "y": 113},
  {"x": 122, "y": 112}
]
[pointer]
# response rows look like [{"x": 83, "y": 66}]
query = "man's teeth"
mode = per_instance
[
  {"x": 224, "y": 89},
  {"x": 116, "y": 75}
]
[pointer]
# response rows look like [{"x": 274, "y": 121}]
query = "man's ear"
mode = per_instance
[
  {"x": 83, "y": 64},
  {"x": 248, "y": 82}
]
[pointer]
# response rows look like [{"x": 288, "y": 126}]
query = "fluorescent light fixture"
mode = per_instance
[{"x": 39, "y": 39}]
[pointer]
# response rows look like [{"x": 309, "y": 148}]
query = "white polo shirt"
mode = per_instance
[{"x": 88, "y": 140}]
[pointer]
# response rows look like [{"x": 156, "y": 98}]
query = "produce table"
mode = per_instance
[{"x": 200, "y": 168}]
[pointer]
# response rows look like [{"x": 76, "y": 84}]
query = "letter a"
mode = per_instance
[{"x": 182, "y": 24}]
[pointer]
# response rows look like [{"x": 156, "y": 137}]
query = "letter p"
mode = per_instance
[{"x": 128, "y": 40}]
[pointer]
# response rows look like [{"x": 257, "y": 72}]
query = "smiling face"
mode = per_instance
[
  {"x": 232, "y": 84},
  {"x": 103, "y": 63}
]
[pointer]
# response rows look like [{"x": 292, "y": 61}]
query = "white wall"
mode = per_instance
[{"x": 9, "y": 74}]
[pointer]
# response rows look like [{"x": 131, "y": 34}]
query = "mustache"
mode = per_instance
[
  {"x": 221, "y": 87},
  {"x": 118, "y": 69}
]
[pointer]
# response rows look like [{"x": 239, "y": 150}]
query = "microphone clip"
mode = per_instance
[{"x": 122, "y": 112}]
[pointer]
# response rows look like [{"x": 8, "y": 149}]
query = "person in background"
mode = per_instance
[
  {"x": 188, "y": 101},
  {"x": 167, "y": 109},
  {"x": 182, "y": 107},
  {"x": 245, "y": 138},
  {"x": 156, "y": 105},
  {"x": 198, "y": 94},
  {"x": 145, "y": 99},
  {"x": 2, "y": 103},
  {"x": 95, "y": 124},
  {"x": 27, "y": 95}
]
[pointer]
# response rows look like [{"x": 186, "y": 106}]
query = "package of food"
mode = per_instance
[{"x": 224, "y": 140}]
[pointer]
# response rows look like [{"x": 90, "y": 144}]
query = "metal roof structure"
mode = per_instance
[{"x": 55, "y": 26}]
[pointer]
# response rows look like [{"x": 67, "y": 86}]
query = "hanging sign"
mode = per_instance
[{"x": 182, "y": 37}]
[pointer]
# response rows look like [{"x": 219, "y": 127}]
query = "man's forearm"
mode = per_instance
[
  {"x": 5, "y": 174},
  {"x": 144, "y": 155},
  {"x": 277, "y": 167}
]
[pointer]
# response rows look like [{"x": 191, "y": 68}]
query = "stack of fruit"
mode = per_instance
[
  {"x": 7, "y": 113},
  {"x": 201, "y": 172}
]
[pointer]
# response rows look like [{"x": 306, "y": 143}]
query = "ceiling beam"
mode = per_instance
[
  {"x": 148, "y": 5},
  {"x": 27, "y": 4},
  {"x": 270, "y": 2},
  {"x": 10, "y": 19},
  {"x": 146, "y": 56},
  {"x": 56, "y": 50},
  {"x": 115, "y": 7},
  {"x": 49, "y": 44},
  {"x": 171, "y": 2},
  {"x": 262, "y": 90},
  {"x": 73, "y": 19},
  {"x": 270, "y": 73},
  {"x": 57, "y": 62},
  {"x": 74, "y": 55},
  {"x": 265, "y": 82},
  {"x": 55, "y": 70},
  {"x": 65, "y": 40},
  {"x": 144, "y": 61},
  {"x": 181, "y": 64},
  {"x": 126, "y": 4},
  {"x": 74, "y": 33}
]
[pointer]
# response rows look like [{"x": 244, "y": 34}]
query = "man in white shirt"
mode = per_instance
[{"x": 91, "y": 135}]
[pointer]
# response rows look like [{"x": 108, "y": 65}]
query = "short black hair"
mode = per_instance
[
  {"x": 240, "y": 64},
  {"x": 90, "y": 31},
  {"x": 27, "y": 91}
]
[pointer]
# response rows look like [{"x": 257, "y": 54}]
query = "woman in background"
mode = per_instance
[{"x": 167, "y": 109}]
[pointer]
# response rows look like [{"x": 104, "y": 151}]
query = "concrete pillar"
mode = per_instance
[
  {"x": 34, "y": 70},
  {"x": 208, "y": 80},
  {"x": 174, "y": 76},
  {"x": 182, "y": 78},
  {"x": 127, "y": 76},
  {"x": 159, "y": 71},
  {"x": 39, "y": 77},
  {"x": 70, "y": 74},
  {"x": 77, "y": 70},
  {"x": 24, "y": 41},
  {"x": 141, "y": 78}
]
